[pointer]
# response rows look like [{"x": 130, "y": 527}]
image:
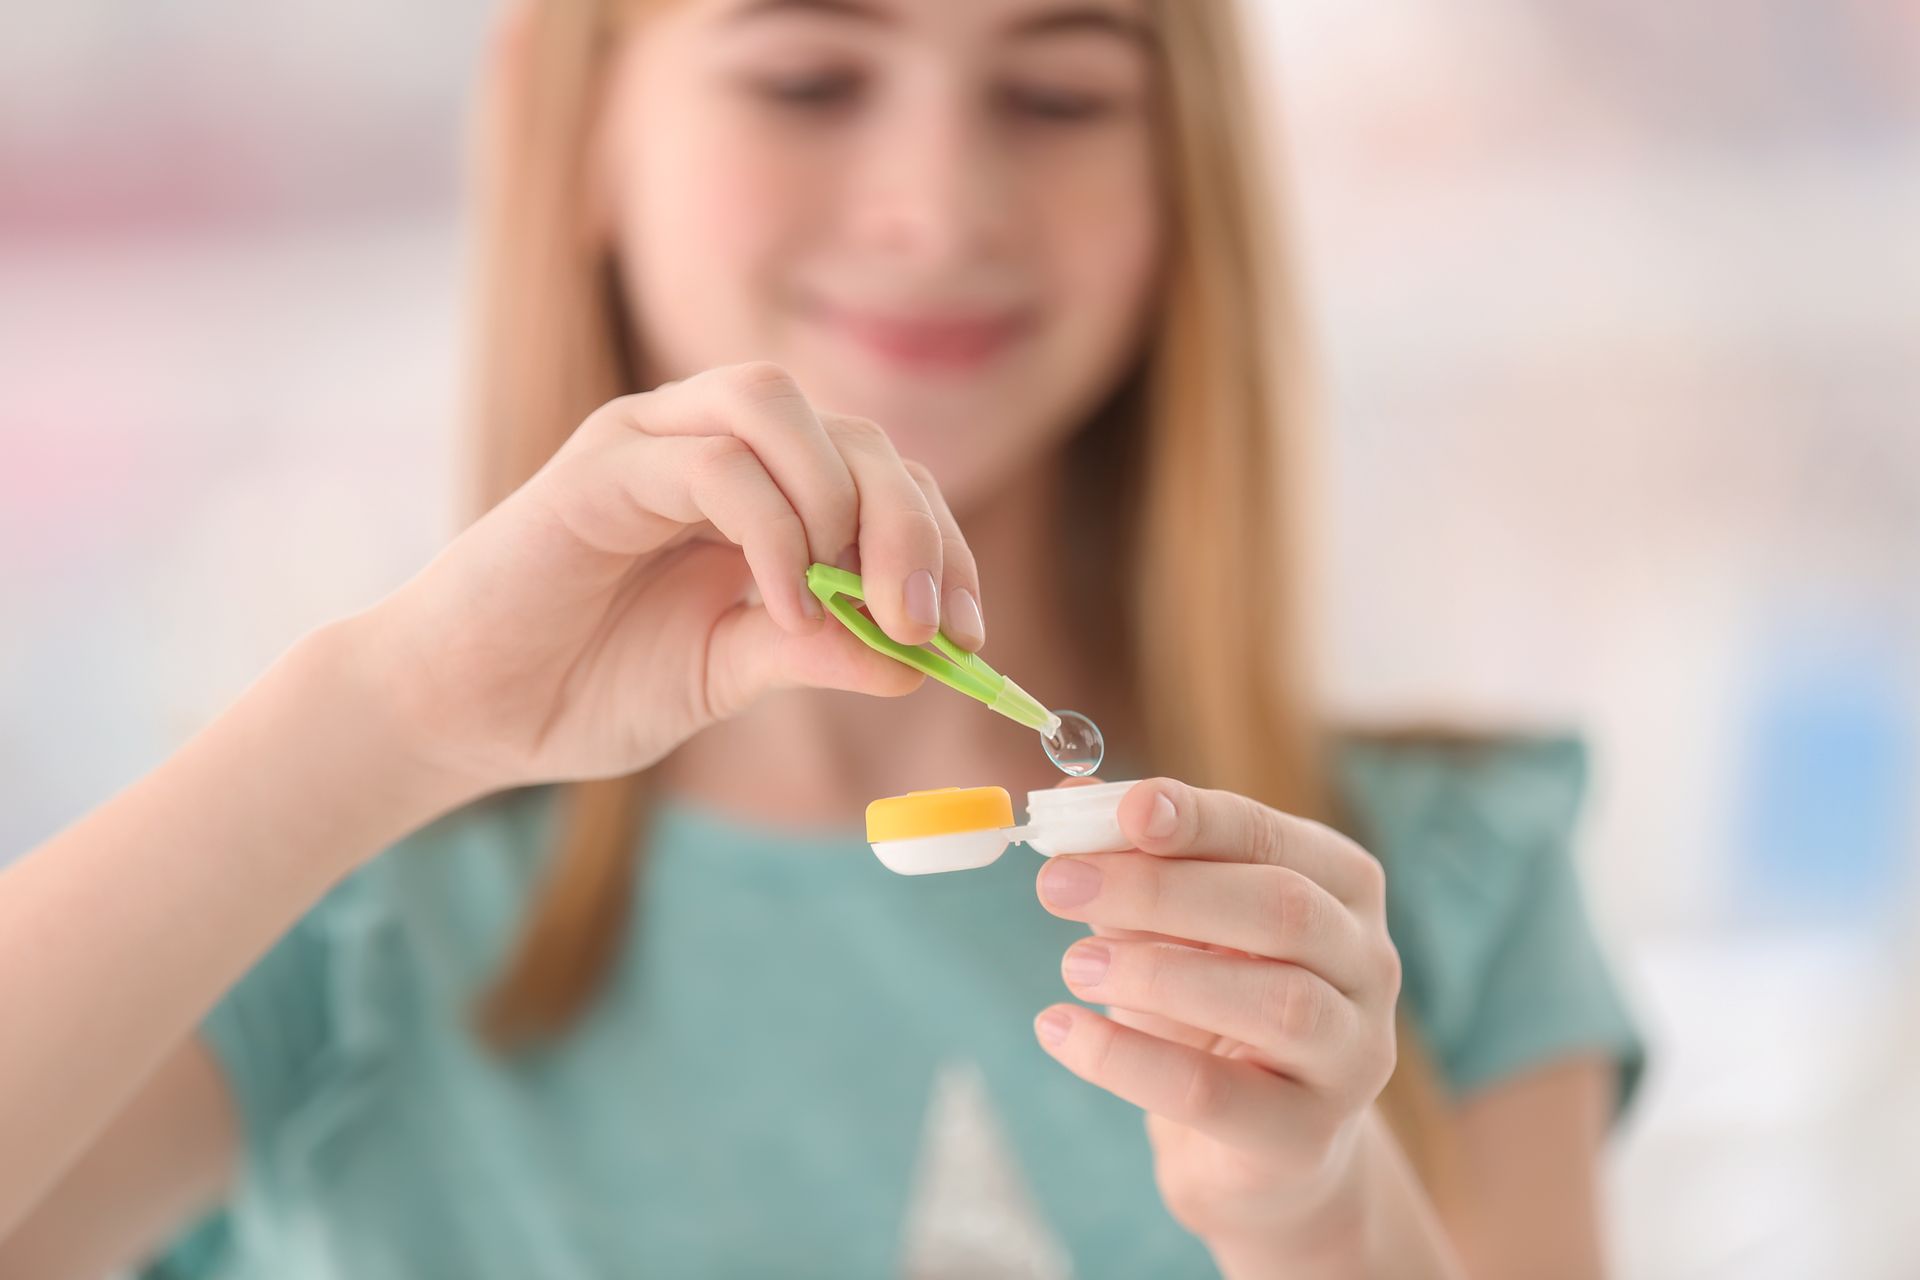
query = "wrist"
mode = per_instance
[{"x": 360, "y": 747}]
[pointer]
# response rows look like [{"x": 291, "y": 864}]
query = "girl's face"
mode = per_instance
[{"x": 937, "y": 214}]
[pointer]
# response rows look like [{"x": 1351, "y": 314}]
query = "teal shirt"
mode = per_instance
[{"x": 805, "y": 1065}]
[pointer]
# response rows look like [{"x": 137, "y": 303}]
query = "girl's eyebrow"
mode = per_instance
[
  {"x": 1053, "y": 21},
  {"x": 834, "y": 8},
  {"x": 1081, "y": 17}
]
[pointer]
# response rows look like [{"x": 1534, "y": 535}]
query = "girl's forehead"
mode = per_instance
[{"x": 1010, "y": 18}]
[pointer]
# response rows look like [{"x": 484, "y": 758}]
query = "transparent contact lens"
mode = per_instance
[{"x": 1076, "y": 746}]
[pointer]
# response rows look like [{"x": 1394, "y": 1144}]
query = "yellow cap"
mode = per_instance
[{"x": 939, "y": 813}]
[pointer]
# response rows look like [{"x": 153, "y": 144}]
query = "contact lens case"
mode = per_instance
[{"x": 960, "y": 828}]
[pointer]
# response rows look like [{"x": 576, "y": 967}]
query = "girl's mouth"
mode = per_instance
[{"x": 929, "y": 341}]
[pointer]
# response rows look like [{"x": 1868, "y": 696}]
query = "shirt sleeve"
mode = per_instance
[
  {"x": 265, "y": 1035},
  {"x": 1503, "y": 971},
  {"x": 308, "y": 1038},
  {"x": 271, "y": 1032}
]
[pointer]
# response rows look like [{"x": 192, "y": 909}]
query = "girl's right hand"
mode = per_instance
[{"x": 602, "y": 613}]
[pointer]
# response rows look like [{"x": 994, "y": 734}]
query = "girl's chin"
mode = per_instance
[
  {"x": 890, "y": 394},
  {"x": 924, "y": 425}
]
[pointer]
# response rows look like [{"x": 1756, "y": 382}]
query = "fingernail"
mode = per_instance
[
  {"x": 810, "y": 604},
  {"x": 1053, "y": 1026},
  {"x": 1069, "y": 882},
  {"x": 963, "y": 619},
  {"x": 923, "y": 599},
  {"x": 1161, "y": 819},
  {"x": 848, "y": 559},
  {"x": 1086, "y": 963}
]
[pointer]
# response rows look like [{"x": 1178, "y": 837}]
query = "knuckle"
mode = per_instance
[
  {"x": 624, "y": 410},
  {"x": 614, "y": 420},
  {"x": 860, "y": 433},
  {"x": 1392, "y": 971},
  {"x": 836, "y": 526},
  {"x": 784, "y": 523},
  {"x": 720, "y": 456},
  {"x": 1296, "y": 905},
  {"x": 957, "y": 569},
  {"x": 1203, "y": 1093},
  {"x": 1151, "y": 973},
  {"x": 919, "y": 529},
  {"x": 843, "y": 490},
  {"x": 957, "y": 556},
  {"x": 1294, "y": 1005},
  {"x": 1104, "y": 1049},
  {"x": 1270, "y": 835},
  {"x": 758, "y": 382}
]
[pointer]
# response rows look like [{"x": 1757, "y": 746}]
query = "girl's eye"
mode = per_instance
[
  {"x": 814, "y": 91},
  {"x": 1056, "y": 106}
]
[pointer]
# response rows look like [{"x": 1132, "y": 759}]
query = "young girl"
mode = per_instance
[{"x": 634, "y": 997}]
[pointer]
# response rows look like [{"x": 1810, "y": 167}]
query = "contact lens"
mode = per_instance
[{"x": 1076, "y": 746}]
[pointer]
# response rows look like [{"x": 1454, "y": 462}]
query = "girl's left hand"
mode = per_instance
[{"x": 1250, "y": 986}]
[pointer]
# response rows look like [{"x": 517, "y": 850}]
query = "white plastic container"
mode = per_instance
[
  {"x": 1059, "y": 820},
  {"x": 1074, "y": 819}
]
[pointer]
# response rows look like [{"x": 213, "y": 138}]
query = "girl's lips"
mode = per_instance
[{"x": 949, "y": 342}]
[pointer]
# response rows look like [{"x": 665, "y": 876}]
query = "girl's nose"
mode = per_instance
[{"x": 932, "y": 186}]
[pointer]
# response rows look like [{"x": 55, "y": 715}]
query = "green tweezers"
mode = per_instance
[{"x": 946, "y": 662}]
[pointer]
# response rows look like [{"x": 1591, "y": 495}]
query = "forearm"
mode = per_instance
[
  {"x": 117, "y": 935},
  {"x": 1376, "y": 1222}
]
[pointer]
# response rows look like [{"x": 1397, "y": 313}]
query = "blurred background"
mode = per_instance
[{"x": 1619, "y": 306}]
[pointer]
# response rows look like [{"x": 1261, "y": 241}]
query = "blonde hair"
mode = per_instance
[{"x": 1205, "y": 443}]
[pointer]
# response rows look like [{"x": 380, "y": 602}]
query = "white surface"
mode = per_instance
[
  {"x": 1076, "y": 819},
  {"x": 928, "y": 855}
]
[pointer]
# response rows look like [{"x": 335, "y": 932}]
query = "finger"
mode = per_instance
[
  {"x": 736, "y": 651},
  {"x": 1168, "y": 818},
  {"x": 1300, "y": 1024},
  {"x": 900, "y": 542},
  {"x": 1152, "y": 1023},
  {"x": 1166, "y": 1028},
  {"x": 751, "y": 654},
  {"x": 717, "y": 479},
  {"x": 1169, "y": 1029},
  {"x": 1273, "y": 912},
  {"x": 763, "y": 405},
  {"x": 960, "y": 615},
  {"x": 1112, "y": 931},
  {"x": 1230, "y": 1099}
]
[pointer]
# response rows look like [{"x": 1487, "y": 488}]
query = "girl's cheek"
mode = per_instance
[
  {"x": 1100, "y": 211},
  {"x": 703, "y": 241},
  {"x": 1103, "y": 268}
]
